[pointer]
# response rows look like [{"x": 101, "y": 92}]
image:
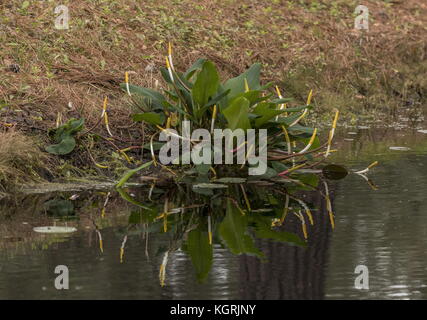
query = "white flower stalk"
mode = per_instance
[
  {"x": 310, "y": 95},
  {"x": 162, "y": 271},
  {"x": 105, "y": 116},
  {"x": 373, "y": 164},
  {"x": 331, "y": 134},
  {"x": 127, "y": 82},
  {"x": 310, "y": 143},
  {"x": 170, "y": 56},
  {"x": 168, "y": 66}
]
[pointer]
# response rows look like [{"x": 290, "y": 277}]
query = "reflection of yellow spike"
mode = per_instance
[
  {"x": 101, "y": 246},
  {"x": 331, "y": 218},
  {"x": 248, "y": 205},
  {"x": 210, "y": 237},
  {"x": 122, "y": 253},
  {"x": 165, "y": 223},
  {"x": 103, "y": 213},
  {"x": 162, "y": 271},
  {"x": 210, "y": 229},
  {"x": 246, "y": 85},
  {"x": 213, "y": 171},
  {"x": 310, "y": 216},
  {"x": 304, "y": 230}
]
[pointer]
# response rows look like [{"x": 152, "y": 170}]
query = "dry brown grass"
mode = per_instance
[{"x": 20, "y": 158}]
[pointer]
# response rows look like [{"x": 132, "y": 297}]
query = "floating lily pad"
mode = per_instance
[
  {"x": 334, "y": 172},
  {"x": 422, "y": 131},
  {"x": 400, "y": 148},
  {"x": 54, "y": 229}
]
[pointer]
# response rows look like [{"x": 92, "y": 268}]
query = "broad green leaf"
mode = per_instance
[
  {"x": 66, "y": 145},
  {"x": 237, "y": 84},
  {"x": 334, "y": 172},
  {"x": 237, "y": 114},
  {"x": 196, "y": 66},
  {"x": 206, "y": 84},
  {"x": 233, "y": 231},
  {"x": 153, "y": 96},
  {"x": 200, "y": 252},
  {"x": 150, "y": 117}
]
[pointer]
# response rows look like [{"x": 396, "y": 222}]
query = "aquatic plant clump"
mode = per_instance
[{"x": 239, "y": 104}]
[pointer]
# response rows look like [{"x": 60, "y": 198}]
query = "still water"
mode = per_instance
[{"x": 381, "y": 225}]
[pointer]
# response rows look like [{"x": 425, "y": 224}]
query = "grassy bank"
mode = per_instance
[{"x": 302, "y": 45}]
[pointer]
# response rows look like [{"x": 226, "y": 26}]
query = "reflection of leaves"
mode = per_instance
[
  {"x": 233, "y": 232},
  {"x": 143, "y": 216},
  {"x": 263, "y": 230},
  {"x": 200, "y": 252},
  {"x": 59, "y": 207}
]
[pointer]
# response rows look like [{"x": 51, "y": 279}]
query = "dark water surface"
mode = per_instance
[{"x": 384, "y": 229}]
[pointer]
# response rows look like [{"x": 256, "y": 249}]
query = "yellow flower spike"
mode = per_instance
[
  {"x": 331, "y": 133},
  {"x": 310, "y": 143},
  {"x": 310, "y": 95},
  {"x": 246, "y": 85},
  {"x": 168, "y": 123},
  {"x": 127, "y": 82},
  {"x": 169, "y": 49},
  {"x": 373, "y": 164},
  {"x": 214, "y": 112}
]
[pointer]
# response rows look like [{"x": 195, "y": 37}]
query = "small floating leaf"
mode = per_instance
[
  {"x": 400, "y": 148},
  {"x": 54, "y": 229}
]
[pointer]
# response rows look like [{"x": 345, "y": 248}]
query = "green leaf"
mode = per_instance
[
  {"x": 200, "y": 252},
  {"x": 66, "y": 145},
  {"x": 206, "y": 84},
  {"x": 150, "y": 117},
  {"x": 130, "y": 173},
  {"x": 237, "y": 84},
  {"x": 153, "y": 96},
  {"x": 233, "y": 231},
  {"x": 237, "y": 114},
  {"x": 196, "y": 66}
]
